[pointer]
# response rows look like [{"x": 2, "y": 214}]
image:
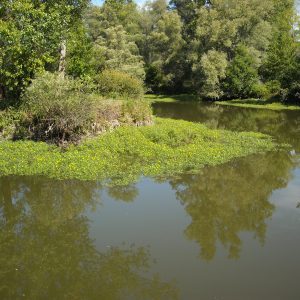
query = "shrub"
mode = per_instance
[
  {"x": 137, "y": 112},
  {"x": 9, "y": 121},
  {"x": 116, "y": 84},
  {"x": 58, "y": 108}
]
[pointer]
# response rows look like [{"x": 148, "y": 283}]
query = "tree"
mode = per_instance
[
  {"x": 221, "y": 29},
  {"x": 31, "y": 33},
  {"x": 119, "y": 52},
  {"x": 28, "y": 41},
  {"x": 161, "y": 45},
  {"x": 113, "y": 33},
  {"x": 281, "y": 62},
  {"x": 241, "y": 75},
  {"x": 209, "y": 73}
]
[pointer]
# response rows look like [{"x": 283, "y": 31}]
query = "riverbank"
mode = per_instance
[
  {"x": 120, "y": 157},
  {"x": 261, "y": 104},
  {"x": 247, "y": 103},
  {"x": 171, "y": 98}
]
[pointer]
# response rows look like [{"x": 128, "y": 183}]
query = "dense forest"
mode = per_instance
[{"x": 221, "y": 49}]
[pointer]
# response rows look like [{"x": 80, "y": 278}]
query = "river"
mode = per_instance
[{"x": 231, "y": 232}]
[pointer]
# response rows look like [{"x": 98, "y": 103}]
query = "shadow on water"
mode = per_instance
[{"x": 46, "y": 251}]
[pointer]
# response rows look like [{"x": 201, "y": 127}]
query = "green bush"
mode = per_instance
[
  {"x": 9, "y": 122},
  {"x": 137, "y": 112},
  {"x": 58, "y": 108},
  {"x": 114, "y": 84}
]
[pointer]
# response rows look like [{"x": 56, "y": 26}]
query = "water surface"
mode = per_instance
[{"x": 229, "y": 232}]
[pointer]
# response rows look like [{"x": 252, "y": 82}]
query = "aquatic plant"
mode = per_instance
[{"x": 167, "y": 148}]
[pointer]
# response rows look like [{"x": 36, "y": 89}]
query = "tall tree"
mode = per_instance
[
  {"x": 31, "y": 33},
  {"x": 281, "y": 60}
]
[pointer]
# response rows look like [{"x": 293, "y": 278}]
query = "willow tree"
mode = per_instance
[{"x": 221, "y": 29}]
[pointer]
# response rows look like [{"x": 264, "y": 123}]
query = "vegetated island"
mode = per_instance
[
  {"x": 166, "y": 148},
  {"x": 68, "y": 129},
  {"x": 73, "y": 77}
]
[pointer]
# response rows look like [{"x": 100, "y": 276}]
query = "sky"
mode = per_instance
[{"x": 98, "y": 2}]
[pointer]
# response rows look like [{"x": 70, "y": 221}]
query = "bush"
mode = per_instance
[
  {"x": 9, "y": 121},
  {"x": 58, "y": 108},
  {"x": 116, "y": 84},
  {"x": 63, "y": 109},
  {"x": 137, "y": 112}
]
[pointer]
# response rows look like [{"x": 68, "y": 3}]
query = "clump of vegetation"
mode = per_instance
[
  {"x": 9, "y": 121},
  {"x": 117, "y": 84},
  {"x": 169, "y": 147},
  {"x": 261, "y": 104},
  {"x": 58, "y": 108}
]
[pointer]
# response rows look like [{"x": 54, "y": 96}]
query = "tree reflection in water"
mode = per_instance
[
  {"x": 46, "y": 251},
  {"x": 233, "y": 198}
]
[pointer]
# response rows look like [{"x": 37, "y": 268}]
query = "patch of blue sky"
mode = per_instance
[{"x": 99, "y": 2}]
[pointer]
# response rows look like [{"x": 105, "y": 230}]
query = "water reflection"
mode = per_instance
[
  {"x": 283, "y": 125},
  {"x": 46, "y": 251},
  {"x": 230, "y": 199}
]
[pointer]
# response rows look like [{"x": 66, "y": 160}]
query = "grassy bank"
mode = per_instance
[
  {"x": 250, "y": 103},
  {"x": 171, "y": 98},
  {"x": 253, "y": 103},
  {"x": 167, "y": 148}
]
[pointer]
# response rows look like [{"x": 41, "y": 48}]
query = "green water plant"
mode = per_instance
[
  {"x": 165, "y": 149},
  {"x": 261, "y": 104}
]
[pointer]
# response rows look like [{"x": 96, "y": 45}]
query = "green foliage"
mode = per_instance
[
  {"x": 58, "y": 108},
  {"x": 28, "y": 34},
  {"x": 79, "y": 54},
  {"x": 10, "y": 120},
  {"x": 165, "y": 149},
  {"x": 31, "y": 32},
  {"x": 210, "y": 72},
  {"x": 261, "y": 104},
  {"x": 114, "y": 84},
  {"x": 241, "y": 75},
  {"x": 113, "y": 31},
  {"x": 282, "y": 57},
  {"x": 161, "y": 46},
  {"x": 138, "y": 112}
]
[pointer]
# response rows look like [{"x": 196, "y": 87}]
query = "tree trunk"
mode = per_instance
[
  {"x": 2, "y": 93},
  {"x": 62, "y": 59}
]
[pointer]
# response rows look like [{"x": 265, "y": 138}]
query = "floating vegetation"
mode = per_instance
[
  {"x": 167, "y": 148},
  {"x": 262, "y": 104}
]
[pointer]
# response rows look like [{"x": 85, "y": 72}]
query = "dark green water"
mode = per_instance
[{"x": 231, "y": 232}]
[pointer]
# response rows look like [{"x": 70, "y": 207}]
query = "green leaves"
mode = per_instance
[{"x": 168, "y": 148}]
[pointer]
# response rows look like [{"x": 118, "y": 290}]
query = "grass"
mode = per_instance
[
  {"x": 262, "y": 104},
  {"x": 250, "y": 103},
  {"x": 171, "y": 98},
  {"x": 120, "y": 157}
]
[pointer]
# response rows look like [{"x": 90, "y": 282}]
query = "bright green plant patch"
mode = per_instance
[
  {"x": 167, "y": 148},
  {"x": 253, "y": 103},
  {"x": 171, "y": 98}
]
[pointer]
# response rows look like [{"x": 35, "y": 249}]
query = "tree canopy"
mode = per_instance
[{"x": 233, "y": 49}]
